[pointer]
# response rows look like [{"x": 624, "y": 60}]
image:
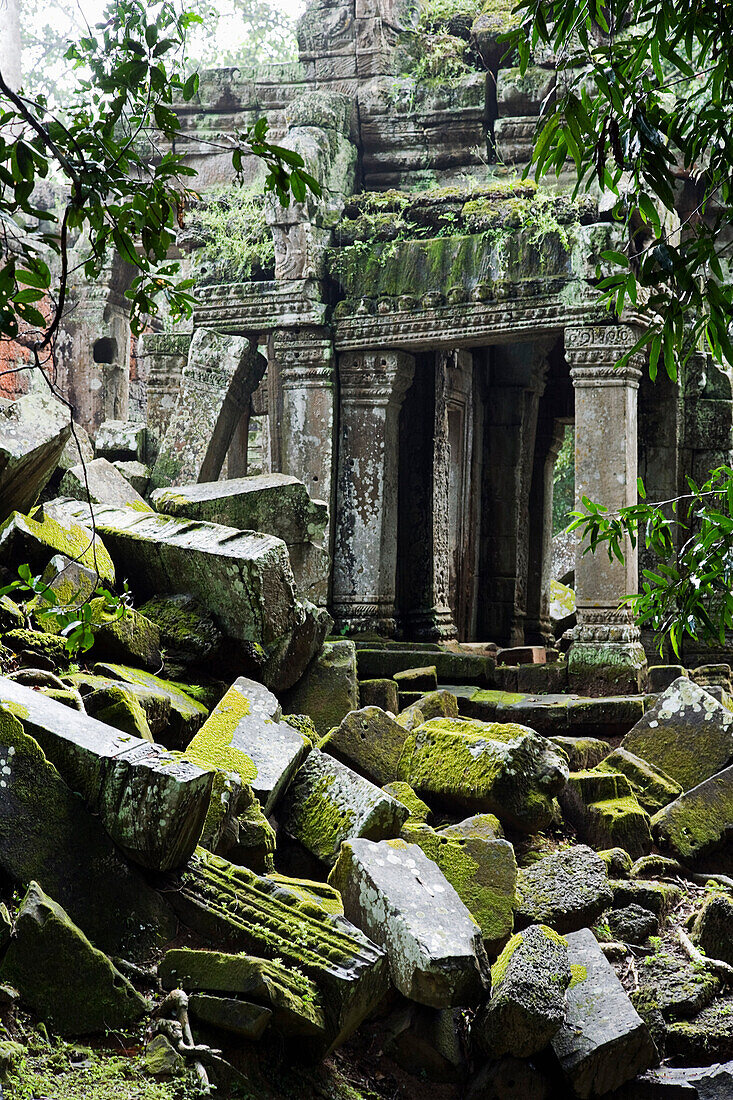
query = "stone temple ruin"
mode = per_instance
[
  {"x": 429, "y": 327},
  {"x": 338, "y": 775}
]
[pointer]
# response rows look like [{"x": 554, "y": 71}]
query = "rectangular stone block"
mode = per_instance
[
  {"x": 217, "y": 382},
  {"x": 152, "y": 804},
  {"x": 328, "y": 803},
  {"x": 244, "y": 734},
  {"x": 402, "y": 899},
  {"x": 31, "y": 444},
  {"x": 603, "y": 1042}
]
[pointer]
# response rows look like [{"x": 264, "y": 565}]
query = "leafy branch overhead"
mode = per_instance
[
  {"x": 689, "y": 591},
  {"x": 113, "y": 151},
  {"x": 643, "y": 110}
]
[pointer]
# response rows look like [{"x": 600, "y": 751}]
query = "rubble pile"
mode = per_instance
[{"x": 215, "y": 826}]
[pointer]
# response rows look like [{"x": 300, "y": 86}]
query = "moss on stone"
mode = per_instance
[
  {"x": 403, "y": 792},
  {"x": 50, "y": 645},
  {"x": 212, "y": 746}
]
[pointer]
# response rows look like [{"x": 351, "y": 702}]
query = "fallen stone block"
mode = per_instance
[
  {"x": 653, "y": 789},
  {"x": 581, "y": 752},
  {"x": 43, "y": 829},
  {"x": 327, "y": 690},
  {"x": 276, "y": 504},
  {"x": 71, "y": 583},
  {"x": 605, "y": 812},
  {"x": 30, "y": 448},
  {"x": 713, "y": 928},
  {"x": 162, "y": 1060},
  {"x": 698, "y": 822},
  {"x": 244, "y": 735},
  {"x": 68, "y": 983},
  {"x": 129, "y": 639},
  {"x": 152, "y": 804},
  {"x": 328, "y": 803},
  {"x": 508, "y": 770},
  {"x": 633, "y": 924},
  {"x": 220, "y": 376},
  {"x": 115, "y": 706},
  {"x": 292, "y": 999},
  {"x": 181, "y": 715},
  {"x": 121, "y": 441},
  {"x": 100, "y": 482},
  {"x": 566, "y": 890},
  {"x": 687, "y": 734},
  {"x": 436, "y": 704},
  {"x": 523, "y": 655},
  {"x": 379, "y": 693},
  {"x": 313, "y": 892},
  {"x": 426, "y": 1042},
  {"x": 420, "y": 812},
  {"x": 241, "y": 1018},
  {"x": 369, "y": 741},
  {"x": 659, "y": 897},
  {"x": 249, "y": 840},
  {"x": 401, "y": 899},
  {"x": 420, "y": 680},
  {"x": 35, "y": 540},
  {"x": 508, "y": 1079},
  {"x": 243, "y": 578},
  {"x": 137, "y": 473},
  {"x": 527, "y": 1003},
  {"x": 482, "y": 870},
  {"x": 686, "y": 1083},
  {"x": 603, "y": 1042},
  {"x": 188, "y": 632},
  {"x": 243, "y": 912}
]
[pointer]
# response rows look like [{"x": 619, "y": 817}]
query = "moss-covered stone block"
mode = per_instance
[
  {"x": 328, "y": 803},
  {"x": 292, "y": 998},
  {"x": 312, "y": 892},
  {"x": 481, "y": 869},
  {"x": 527, "y": 1003},
  {"x": 605, "y": 812},
  {"x": 568, "y": 890},
  {"x": 713, "y": 928},
  {"x": 508, "y": 770},
  {"x": 328, "y": 689},
  {"x": 581, "y": 752},
  {"x": 69, "y": 984},
  {"x": 370, "y": 741},
  {"x": 687, "y": 734},
  {"x": 188, "y": 632},
  {"x": 241, "y": 1018},
  {"x": 379, "y": 693},
  {"x": 44, "y": 827},
  {"x": 652, "y": 788},
  {"x": 659, "y": 897},
  {"x": 420, "y": 812},
  {"x": 130, "y": 638},
  {"x": 116, "y": 706},
  {"x": 698, "y": 822},
  {"x": 401, "y": 898},
  {"x": 183, "y": 713},
  {"x": 435, "y": 704},
  {"x": 240, "y": 911},
  {"x": 35, "y": 539},
  {"x": 37, "y": 641}
]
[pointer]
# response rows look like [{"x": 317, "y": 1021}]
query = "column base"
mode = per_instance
[
  {"x": 603, "y": 668},
  {"x": 432, "y": 624},
  {"x": 363, "y": 618}
]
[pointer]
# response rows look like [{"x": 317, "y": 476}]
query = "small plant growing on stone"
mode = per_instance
[{"x": 74, "y": 623}]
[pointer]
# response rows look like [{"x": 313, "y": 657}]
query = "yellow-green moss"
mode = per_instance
[{"x": 212, "y": 746}]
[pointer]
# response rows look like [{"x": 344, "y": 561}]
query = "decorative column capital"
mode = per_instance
[
  {"x": 593, "y": 351},
  {"x": 375, "y": 378},
  {"x": 304, "y": 358}
]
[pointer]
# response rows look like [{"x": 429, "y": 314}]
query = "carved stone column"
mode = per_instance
[
  {"x": 606, "y": 656},
  {"x": 303, "y": 411},
  {"x": 372, "y": 388}
]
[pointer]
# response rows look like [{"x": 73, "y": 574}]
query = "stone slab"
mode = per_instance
[
  {"x": 48, "y": 834},
  {"x": 698, "y": 822},
  {"x": 121, "y": 440},
  {"x": 566, "y": 890},
  {"x": 220, "y": 375},
  {"x": 103, "y": 484},
  {"x": 31, "y": 444},
  {"x": 557, "y": 714},
  {"x": 404, "y": 902},
  {"x": 152, "y": 804},
  {"x": 603, "y": 1042},
  {"x": 276, "y": 504},
  {"x": 70, "y": 985},
  {"x": 687, "y": 733},
  {"x": 244, "y": 579},
  {"x": 328, "y": 803},
  {"x": 369, "y": 741},
  {"x": 328, "y": 689},
  {"x": 248, "y": 1021},
  {"x": 244, "y": 734},
  {"x": 184, "y": 715}
]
